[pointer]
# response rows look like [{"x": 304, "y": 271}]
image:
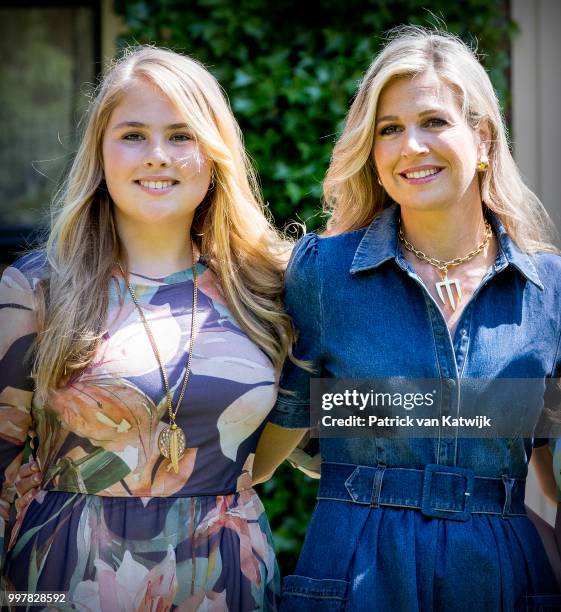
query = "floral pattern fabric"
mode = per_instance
[{"x": 113, "y": 525}]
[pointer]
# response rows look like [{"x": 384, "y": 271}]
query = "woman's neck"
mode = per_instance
[
  {"x": 156, "y": 252},
  {"x": 444, "y": 234}
]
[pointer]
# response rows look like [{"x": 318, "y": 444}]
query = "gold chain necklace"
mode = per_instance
[
  {"x": 442, "y": 266},
  {"x": 171, "y": 441}
]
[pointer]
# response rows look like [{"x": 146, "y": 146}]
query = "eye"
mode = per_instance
[
  {"x": 181, "y": 138},
  {"x": 133, "y": 136},
  {"x": 388, "y": 130},
  {"x": 436, "y": 122}
]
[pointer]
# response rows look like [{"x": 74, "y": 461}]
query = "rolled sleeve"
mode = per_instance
[{"x": 302, "y": 300}]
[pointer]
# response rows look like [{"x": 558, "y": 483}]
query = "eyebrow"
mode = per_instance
[
  {"x": 431, "y": 111},
  {"x": 138, "y": 124}
]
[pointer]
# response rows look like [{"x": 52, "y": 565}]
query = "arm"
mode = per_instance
[
  {"x": 556, "y": 453},
  {"x": 26, "y": 483},
  {"x": 275, "y": 445},
  {"x": 542, "y": 461},
  {"x": 546, "y": 461},
  {"x": 17, "y": 332},
  {"x": 548, "y": 537}
]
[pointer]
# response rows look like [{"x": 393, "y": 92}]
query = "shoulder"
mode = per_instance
[
  {"x": 18, "y": 299},
  {"x": 303, "y": 261},
  {"x": 315, "y": 255},
  {"x": 546, "y": 262},
  {"x": 302, "y": 279},
  {"x": 29, "y": 269},
  {"x": 18, "y": 290},
  {"x": 305, "y": 251},
  {"x": 548, "y": 270}
]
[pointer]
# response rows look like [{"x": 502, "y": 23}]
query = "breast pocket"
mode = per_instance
[{"x": 302, "y": 594}]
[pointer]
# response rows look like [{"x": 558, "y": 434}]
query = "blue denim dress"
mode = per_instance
[{"x": 409, "y": 523}]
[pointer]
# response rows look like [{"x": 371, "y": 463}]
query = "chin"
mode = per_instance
[
  {"x": 158, "y": 217},
  {"x": 425, "y": 205},
  {"x": 165, "y": 219}
]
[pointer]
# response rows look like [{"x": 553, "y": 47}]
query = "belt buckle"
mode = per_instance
[{"x": 434, "y": 472}]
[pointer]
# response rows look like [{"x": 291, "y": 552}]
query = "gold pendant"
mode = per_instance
[
  {"x": 448, "y": 284},
  {"x": 172, "y": 444}
]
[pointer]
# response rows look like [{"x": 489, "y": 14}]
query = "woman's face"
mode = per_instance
[
  {"x": 155, "y": 172},
  {"x": 425, "y": 153}
]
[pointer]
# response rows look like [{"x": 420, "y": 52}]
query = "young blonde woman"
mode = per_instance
[
  {"x": 144, "y": 342},
  {"x": 436, "y": 265}
]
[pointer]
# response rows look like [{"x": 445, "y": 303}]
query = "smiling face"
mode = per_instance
[
  {"x": 155, "y": 172},
  {"x": 425, "y": 153}
]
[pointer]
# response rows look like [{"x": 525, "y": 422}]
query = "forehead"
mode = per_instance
[
  {"x": 415, "y": 94},
  {"x": 145, "y": 103}
]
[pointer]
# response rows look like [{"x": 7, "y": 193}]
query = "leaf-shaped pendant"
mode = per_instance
[
  {"x": 172, "y": 444},
  {"x": 173, "y": 449}
]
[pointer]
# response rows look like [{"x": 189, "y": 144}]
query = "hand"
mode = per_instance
[
  {"x": 27, "y": 484},
  {"x": 4, "y": 510}
]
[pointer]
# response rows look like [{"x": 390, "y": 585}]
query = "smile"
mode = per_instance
[
  {"x": 418, "y": 174},
  {"x": 156, "y": 184}
]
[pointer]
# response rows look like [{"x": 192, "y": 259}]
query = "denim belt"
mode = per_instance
[{"x": 438, "y": 491}]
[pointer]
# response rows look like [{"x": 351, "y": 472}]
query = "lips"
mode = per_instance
[
  {"x": 156, "y": 183},
  {"x": 420, "y": 172}
]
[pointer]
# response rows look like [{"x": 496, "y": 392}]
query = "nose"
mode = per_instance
[
  {"x": 413, "y": 144},
  {"x": 156, "y": 157}
]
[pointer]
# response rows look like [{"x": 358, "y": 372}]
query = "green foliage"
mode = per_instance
[
  {"x": 289, "y": 499},
  {"x": 290, "y": 70}
]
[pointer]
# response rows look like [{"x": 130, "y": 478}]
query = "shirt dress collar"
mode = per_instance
[{"x": 380, "y": 244}]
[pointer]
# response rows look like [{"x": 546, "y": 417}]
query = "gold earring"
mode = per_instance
[
  {"x": 379, "y": 181},
  {"x": 483, "y": 163}
]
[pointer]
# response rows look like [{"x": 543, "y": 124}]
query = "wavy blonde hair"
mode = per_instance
[
  {"x": 230, "y": 226},
  {"x": 352, "y": 195}
]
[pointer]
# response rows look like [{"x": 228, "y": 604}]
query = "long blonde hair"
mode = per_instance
[
  {"x": 230, "y": 227},
  {"x": 352, "y": 195}
]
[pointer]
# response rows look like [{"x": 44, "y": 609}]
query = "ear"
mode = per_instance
[{"x": 484, "y": 136}]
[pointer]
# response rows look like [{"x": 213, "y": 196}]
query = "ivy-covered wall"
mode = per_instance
[{"x": 290, "y": 69}]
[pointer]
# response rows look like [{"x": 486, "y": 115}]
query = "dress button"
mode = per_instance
[{"x": 463, "y": 332}]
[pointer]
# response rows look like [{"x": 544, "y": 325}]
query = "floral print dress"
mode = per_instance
[{"x": 113, "y": 525}]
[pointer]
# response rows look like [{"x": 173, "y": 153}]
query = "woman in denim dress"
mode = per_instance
[{"x": 433, "y": 523}]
